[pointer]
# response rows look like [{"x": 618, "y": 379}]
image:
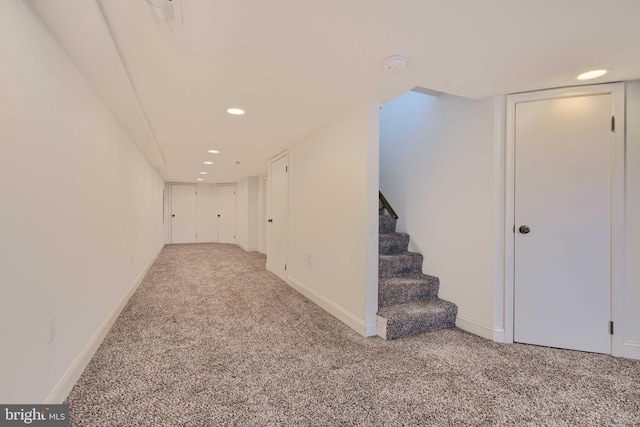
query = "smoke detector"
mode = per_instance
[{"x": 395, "y": 64}]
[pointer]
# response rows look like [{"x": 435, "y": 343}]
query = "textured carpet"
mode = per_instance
[{"x": 213, "y": 339}]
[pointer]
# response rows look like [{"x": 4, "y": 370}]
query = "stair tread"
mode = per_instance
[
  {"x": 407, "y": 280},
  {"x": 390, "y": 235},
  {"x": 416, "y": 309},
  {"x": 405, "y": 254}
]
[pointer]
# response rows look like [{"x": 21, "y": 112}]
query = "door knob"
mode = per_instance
[
  {"x": 524, "y": 229},
  {"x": 218, "y": 216},
  {"x": 270, "y": 220},
  {"x": 173, "y": 215}
]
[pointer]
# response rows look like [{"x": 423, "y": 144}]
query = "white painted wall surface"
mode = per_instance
[
  {"x": 333, "y": 217},
  {"x": 437, "y": 171},
  {"x": 207, "y": 200},
  {"x": 631, "y": 315},
  {"x": 247, "y": 213},
  {"x": 242, "y": 213},
  {"x": 81, "y": 214}
]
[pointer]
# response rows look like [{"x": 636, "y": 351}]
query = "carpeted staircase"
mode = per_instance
[{"x": 407, "y": 299}]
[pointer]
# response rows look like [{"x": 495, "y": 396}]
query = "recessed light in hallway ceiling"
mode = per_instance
[
  {"x": 593, "y": 74},
  {"x": 214, "y": 152},
  {"x": 200, "y": 179},
  {"x": 208, "y": 163},
  {"x": 203, "y": 173},
  {"x": 235, "y": 111}
]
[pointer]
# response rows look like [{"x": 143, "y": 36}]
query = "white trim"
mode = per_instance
[
  {"x": 247, "y": 249},
  {"x": 617, "y": 233},
  {"x": 381, "y": 329},
  {"x": 480, "y": 329},
  {"x": 499, "y": 143},
  {"x": 350, "y": 319},
  {"x": 628, "y": 348},
  {"x": 77, "y": 367}
]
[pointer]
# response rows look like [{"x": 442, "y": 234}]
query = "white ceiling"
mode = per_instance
[{"x": 295, "y": 65}]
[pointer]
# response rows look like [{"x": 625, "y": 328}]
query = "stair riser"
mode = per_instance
[
  {"x": 398, "y": 329},
  {"x": 404, "y": 294},
  {"x": 399, "y": 266},
  {"x": 393, "y": 243},
  {"x": 386, "y": 224}
]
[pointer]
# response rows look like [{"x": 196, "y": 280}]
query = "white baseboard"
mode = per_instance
[
  {"x": 629, "y": 349},
  {"x": 477, "y": 328},
  {"x": 381, "y": 330},
  {"x": 247, "y": 249},
  {"x": 350, "y": 319},
  {"x": 77, "y": 367}
]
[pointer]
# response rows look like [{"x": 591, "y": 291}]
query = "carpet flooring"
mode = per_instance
[{"x": 212, "y": 339}]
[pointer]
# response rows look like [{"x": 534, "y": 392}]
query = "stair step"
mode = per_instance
[
  {"x": 386, "y": 224},
  {"x": 393, "y": 243},
  {"x": 405, "y": 320},
  {"x": 401, "y": 264},
  {"x": 404, "y": 289}
]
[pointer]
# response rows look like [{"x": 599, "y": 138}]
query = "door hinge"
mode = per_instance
[
  {"x": 285, "y": 267},
  {"x": 610, "y": 328},
  {"x": 613, "y": 123},
  {"x": 286, "y": 168}
]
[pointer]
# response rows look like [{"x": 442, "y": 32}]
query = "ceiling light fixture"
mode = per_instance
[
  {"x": 214, "y": 152},
  {"x": 208, "y": 163},
  {"x": 203, "y": 173},
  {"x": 200, "y": 179},
  {"x": 395, "y": 64},
  {"x": 235, "y": 111},
  {"x": 593, "y": 74}
]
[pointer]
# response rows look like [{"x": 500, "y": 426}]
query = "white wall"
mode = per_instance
[
  {"x": 333, "y": 217},
  {"x": 437, "y": 171},
  {"x": 247, "y": 212},
  {"x": 207, "y": 222},
  {"x": 631, "y": 314},
  {"x": 81, "y": 215}
]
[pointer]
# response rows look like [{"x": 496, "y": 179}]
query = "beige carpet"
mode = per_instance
[{"x": 213, "y": 339}]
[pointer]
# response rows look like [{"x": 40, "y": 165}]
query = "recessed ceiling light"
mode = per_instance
[
  {"x": 214, "y": 151},
  {"x": 203, "y": 173},
  {"x": 208, "y": 163},
  {"x": 235, "y": 111},
  {"x": 200, "y": 179},
  {"x": 593, "y": 74}
]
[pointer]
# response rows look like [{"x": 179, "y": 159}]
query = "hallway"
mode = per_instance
[{"x": 212, "y": 339}]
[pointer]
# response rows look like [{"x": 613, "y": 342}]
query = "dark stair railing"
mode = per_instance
[{"x": 387, "y": 206}]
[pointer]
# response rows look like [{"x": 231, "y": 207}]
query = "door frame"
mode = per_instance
[
  {"x": 235, "y": 190},
  {"x": 170, "y": 202},
  {"x": 269, "y": 266},
  {"x": 617, "y": 92}
]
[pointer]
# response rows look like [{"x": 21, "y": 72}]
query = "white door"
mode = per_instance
[
  {"x": 227, "y": 213},
  {"x": 562, "y": 264},
  {"x": 183, "y": 213},
  {"x": 277, "y": 217}
]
